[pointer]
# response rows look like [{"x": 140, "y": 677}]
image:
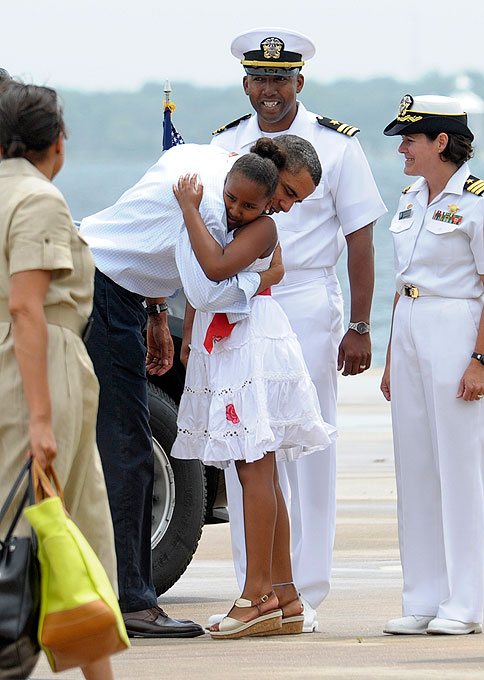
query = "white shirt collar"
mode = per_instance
[{"x": 455, "y": 185}]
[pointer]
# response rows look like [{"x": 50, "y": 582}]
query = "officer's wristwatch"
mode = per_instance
[
  {"x": 360, "y": 327},
  {"x": 479, "y": 357}
]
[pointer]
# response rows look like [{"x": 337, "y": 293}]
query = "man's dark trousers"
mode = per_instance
[{"x": 118, "y": 353}]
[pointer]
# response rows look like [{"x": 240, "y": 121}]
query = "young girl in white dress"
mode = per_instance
[{"x": 248, "y": 397}]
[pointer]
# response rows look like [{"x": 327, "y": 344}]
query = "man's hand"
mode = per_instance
[
  {"x": 385, "y": 383},
  {"x": 354, "y": 354},
  {"x": 160, "y": 351},
  {"x": 274, "y": 274}
]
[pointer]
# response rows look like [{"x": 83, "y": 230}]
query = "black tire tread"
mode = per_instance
[{"x": 175, "y": 551}]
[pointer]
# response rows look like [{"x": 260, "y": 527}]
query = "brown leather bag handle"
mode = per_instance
[{"x": 43, "y": 487}]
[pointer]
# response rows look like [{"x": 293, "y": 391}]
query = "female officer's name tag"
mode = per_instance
[{"x": 405, "y": 213}]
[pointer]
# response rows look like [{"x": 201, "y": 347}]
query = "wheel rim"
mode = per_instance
[{"x": 163, "y": 494}]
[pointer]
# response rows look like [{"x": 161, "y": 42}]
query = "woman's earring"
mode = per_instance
[{"x": 267, "y": 211}]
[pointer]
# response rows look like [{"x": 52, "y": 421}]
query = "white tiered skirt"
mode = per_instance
[{"x": 251, "y": 395}]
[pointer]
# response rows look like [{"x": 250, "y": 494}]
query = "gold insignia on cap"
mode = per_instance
[
  {"x": 453, "y": 208},
  {"x": 409, "y": 119},
  {"x": 405, "y": 104},
  {"x": 410, "y": 205},
  {"x": 272, "y": 48}
]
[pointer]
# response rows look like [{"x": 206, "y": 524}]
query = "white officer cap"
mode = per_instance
[
  {"x": 429, "y": 113},
  {"x": 272, "y": 51}
]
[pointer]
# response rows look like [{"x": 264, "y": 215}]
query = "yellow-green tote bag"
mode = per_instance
[{"x": 80, "y": 620}]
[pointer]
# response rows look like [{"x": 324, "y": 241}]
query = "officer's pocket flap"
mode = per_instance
[
  {"x": 437, "y": 227},
  {"x": 400, "y": 225}
]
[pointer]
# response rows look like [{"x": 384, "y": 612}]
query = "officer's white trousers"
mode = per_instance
[
  {"x": 315, "y": 310},
  {"x": 439, "y": 449}
]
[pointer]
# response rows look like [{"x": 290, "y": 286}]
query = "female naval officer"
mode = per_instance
[{"x": 434, "y": 373}]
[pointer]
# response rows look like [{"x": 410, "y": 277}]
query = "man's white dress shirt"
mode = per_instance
[{"x": 141, "y": 243}]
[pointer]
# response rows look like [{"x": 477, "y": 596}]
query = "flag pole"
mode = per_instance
[
  {"x": 167, "y": 94},
  {"x": 167, "y": 109},
  {"x": 170, "y": 135}
]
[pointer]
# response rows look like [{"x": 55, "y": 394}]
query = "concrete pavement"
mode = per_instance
[{"x": 365, "y": 589}]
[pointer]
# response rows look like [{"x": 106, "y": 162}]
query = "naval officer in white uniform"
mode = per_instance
[
  {"x": 341, "y": 210},
  {"x": 435, "y": 373}
]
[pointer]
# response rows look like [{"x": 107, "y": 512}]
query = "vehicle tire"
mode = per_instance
[{"x": 179, "y": 497}]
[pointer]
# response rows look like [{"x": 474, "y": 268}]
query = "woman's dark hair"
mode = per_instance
[
  {"x": 300, "y": 155},
  {"x": 30, "y": 119},
  {"x": 262, "y": 164},
  {"x": 458, "y": 150},
  {"x": 4, "y": 75}
]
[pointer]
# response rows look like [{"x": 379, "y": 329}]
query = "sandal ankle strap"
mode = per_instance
[
  {"x": 288, "y": 583},
  {"x": 242, "y": 602}
]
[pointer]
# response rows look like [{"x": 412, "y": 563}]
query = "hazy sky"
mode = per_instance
[{"x": 121, "y": 44}]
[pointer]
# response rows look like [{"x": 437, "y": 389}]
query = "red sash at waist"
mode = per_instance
[{"x": 220, "y": 327}]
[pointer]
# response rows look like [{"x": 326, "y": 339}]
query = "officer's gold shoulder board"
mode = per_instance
[
  {"x": 404, "y": 191},
  {"x": 234, "y": 123},
  {"x": 474, "y": 185},
  {"x": 344, "y": 128}
]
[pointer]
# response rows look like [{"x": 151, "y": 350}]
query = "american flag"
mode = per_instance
[{"x": 171, "y": 137}]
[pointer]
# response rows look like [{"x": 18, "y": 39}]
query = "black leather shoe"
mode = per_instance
[{"x": 155, "y": 623}]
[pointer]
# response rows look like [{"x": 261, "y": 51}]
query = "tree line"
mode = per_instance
[{"x": 116, "y": 125}]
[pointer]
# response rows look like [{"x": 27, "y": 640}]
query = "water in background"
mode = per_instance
[{"x": 89, "y": 187}]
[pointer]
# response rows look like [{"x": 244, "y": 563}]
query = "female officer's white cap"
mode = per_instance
[
  {"x": 269, "y": 51},
  {"x": 429, "y": 113}
]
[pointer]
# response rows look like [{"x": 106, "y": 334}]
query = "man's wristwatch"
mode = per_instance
[
  {"x": 479, "y": 357},
  {"x": 360, "y": 327},
  {"x": 155, "y": 309}
]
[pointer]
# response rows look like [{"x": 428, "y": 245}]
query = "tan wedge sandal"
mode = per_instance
[
  {"x": 264, "y": 624},
  {"x": 291, "y": 625}
]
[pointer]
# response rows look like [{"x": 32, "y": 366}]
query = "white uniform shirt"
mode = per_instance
[
  {"x": 141, "y": 243},
  {"x": 440, "y": 257},
  {"x": 347, "y": 199}
]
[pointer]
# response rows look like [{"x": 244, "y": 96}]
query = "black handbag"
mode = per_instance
[{"x": 19, "y": 592}]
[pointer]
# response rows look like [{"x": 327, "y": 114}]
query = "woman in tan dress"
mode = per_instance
[{"x": 48, "y": 390}]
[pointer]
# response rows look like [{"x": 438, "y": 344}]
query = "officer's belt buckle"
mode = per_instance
[{"x": 411, "y": 291}]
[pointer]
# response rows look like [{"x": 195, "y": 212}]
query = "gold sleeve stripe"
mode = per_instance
[{"x": 337, "y": 126}]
